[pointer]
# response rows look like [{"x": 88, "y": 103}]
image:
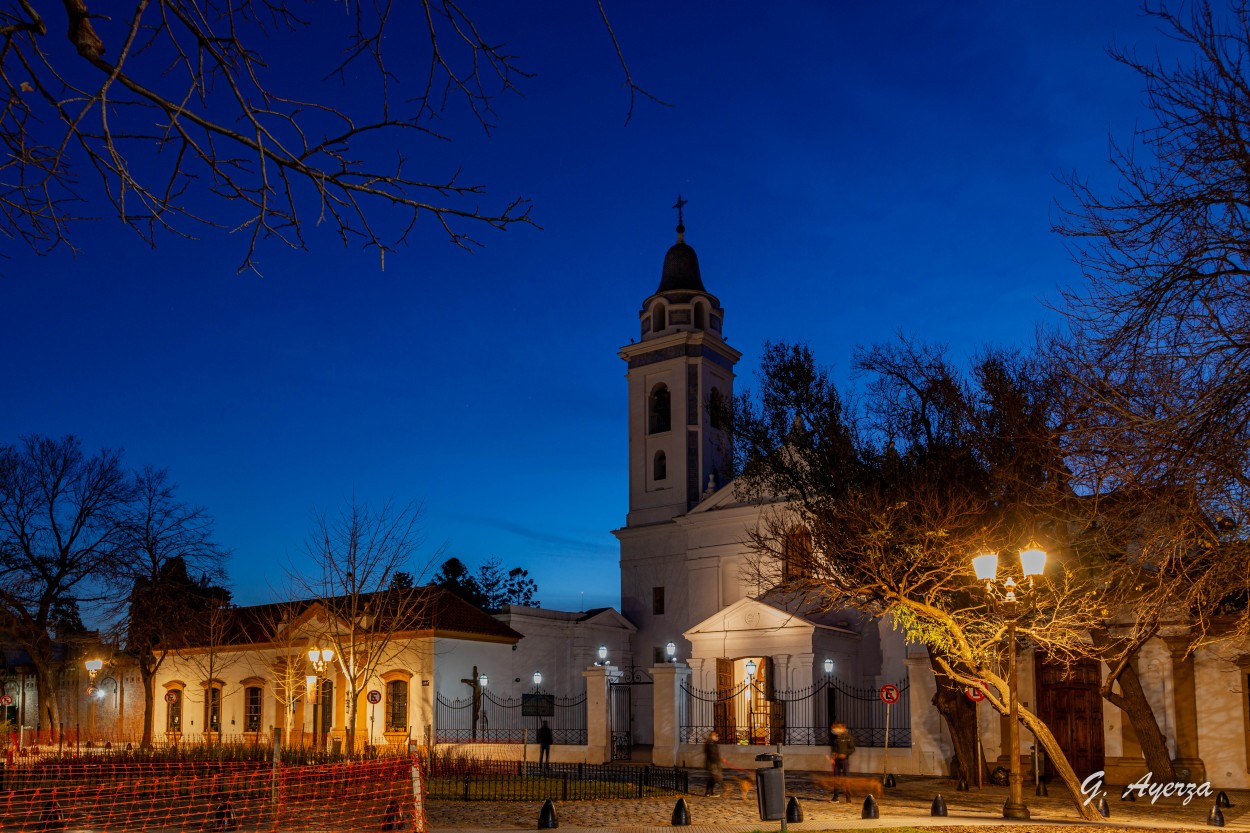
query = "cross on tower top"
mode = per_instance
[{"x": 679, "y": 205}]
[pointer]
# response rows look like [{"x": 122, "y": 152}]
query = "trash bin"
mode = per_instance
[{"x": 770, "y": 788}]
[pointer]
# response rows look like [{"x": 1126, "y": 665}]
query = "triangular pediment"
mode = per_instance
[
  {"x": 751, "y": 615},
  {"x": 609, "y": 618}
]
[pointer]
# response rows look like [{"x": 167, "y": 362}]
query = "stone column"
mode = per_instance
[
  {"x": 667, "y": 712},
  {"x": 598, "y": 719},
  {"x": 1185, "y": 704}
]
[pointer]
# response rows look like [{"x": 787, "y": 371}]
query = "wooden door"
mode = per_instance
[{"x": 1069, "y": 703}]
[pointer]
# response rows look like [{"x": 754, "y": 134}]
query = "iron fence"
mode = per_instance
[
  {"x": 478, "y": 780},
  {"x": 749, "y": 714},
  {"x": 510, "y": 719}
]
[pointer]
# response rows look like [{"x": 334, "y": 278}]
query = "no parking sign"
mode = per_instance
[
  {"x": 374, "y": 696},
  {"x": 889, "y": 694}
]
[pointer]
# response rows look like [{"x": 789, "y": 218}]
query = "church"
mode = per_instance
[{"x": 764, "y": 671}]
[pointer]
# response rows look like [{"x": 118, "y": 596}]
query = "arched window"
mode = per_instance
[
  {"x": 659, "y": 318},
  {"x": 717, "y": 410},
  {"x": 212, "y": 708},
  {"x": 797, "y": 554},
  {"x": 173, "y": 714},
  {"x": 659, "y": 468},
  {"x": 252, "y": 708},
  {"x": 397, "y": 706},
  {"x": 699, "y": 317},
  {"x": 659, "y": 416}
]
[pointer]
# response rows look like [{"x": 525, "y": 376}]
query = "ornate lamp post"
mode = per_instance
[
  {"x": 1032, "y": 563},
  {"x": 319, "y": 659},
  {"x": 93, "y": 667}
]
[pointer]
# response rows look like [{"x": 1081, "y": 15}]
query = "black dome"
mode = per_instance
[{"x": 681, "y": 270}]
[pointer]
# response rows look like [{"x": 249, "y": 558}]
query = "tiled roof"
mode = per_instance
[{"x": 429, "y": 609}]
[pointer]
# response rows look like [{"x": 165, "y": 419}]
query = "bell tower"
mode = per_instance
[{"x": 681, "y": 375}]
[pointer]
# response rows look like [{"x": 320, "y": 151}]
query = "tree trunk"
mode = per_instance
[
  {"x": 149, "y": 703},
  {"x": 1132, "y": 701},
  {"x": 49, "y": 706},
  {"x": 961, "y": 720},
  {"x": 1059, "y": 761},
  {"x": 349, "y": 731}
]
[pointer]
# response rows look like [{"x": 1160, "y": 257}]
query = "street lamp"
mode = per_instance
[
  {"x": 93, "y": 667},
  {"x": 751, "y": 666},
  {"x": 538, "y": 679},
  {"x": 319, "y": 658},
  {"x": 828, "y": 667},
  {"x": 1032, "y": 563},
  {"x": 481, "y": 680},
  {"x": 671, "y": 650}
]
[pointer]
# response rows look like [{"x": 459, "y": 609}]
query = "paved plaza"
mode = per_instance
[{"x": 907, "y": 805}]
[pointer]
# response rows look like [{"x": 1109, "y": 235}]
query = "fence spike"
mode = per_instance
[{"x": 547, "y": 816}]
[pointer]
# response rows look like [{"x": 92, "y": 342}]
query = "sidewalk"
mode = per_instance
[{"x": 907, "y": 805}]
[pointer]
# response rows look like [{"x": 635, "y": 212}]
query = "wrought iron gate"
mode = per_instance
[{"x": 621, "y": 711}]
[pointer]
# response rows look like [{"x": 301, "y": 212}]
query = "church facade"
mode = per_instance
[{"x": 688, "y": 585}]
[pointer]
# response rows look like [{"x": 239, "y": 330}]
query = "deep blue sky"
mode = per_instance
[{"x": 853, "y": 169}]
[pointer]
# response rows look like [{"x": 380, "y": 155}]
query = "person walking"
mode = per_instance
[
  {"x": 544, "y": 745},
  {"x": 712, "y": 762},
  {"x": 841, "y": 748}
]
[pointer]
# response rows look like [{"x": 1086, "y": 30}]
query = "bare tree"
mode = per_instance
[
  {"x": 173, "y": 564},
  {"x": 61, "y": 542},
  {"x": 1160, "y": 344},
  {"x": 286, "y": 668},
  {"x": 183, "y": 113},
  {"x": 900, "y": 489},
  {"x": 354, "y": 557},
  {"x": 214, "y": 644}
]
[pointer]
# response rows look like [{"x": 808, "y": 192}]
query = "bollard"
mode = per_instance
[
  {"x": 889, "y": 781},
  {"x": 393, "y": 818},
  {"x": 1221, "y": 799},
  {"x": 871, "y": 810},
  {"x": 962, "y": 786},
  {"x": 1215, "y": 818},
  {"x": 681, "y": 814},
  {"x": 939, "y": 806},
  {"x": 51, "y": 818},
  {"x": 1128, "y": 795},
  {"x": 1041, "y": 789},
  {"x": 547, "y": 816},
  {"x": 794, "y": 813},
  {"x": 223, "y": 817},
  {"x": 1103, "y": 809}
]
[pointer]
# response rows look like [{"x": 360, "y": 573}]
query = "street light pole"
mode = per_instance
[
  {"x": 1014, "y": 808},
  {"x": 1032, "y": 563}
]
